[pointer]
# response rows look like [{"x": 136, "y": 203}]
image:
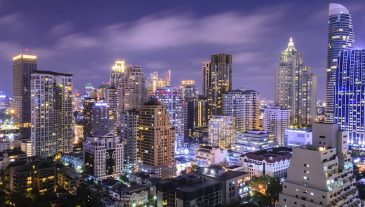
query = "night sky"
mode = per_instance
[{"x": 84, "y": 37}]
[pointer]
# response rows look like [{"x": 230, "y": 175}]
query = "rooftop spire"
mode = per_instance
[{"x": 290, "y": 45}]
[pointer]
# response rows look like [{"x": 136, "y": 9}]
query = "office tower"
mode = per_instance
[
  {"x": 103, "y": 156},
  {"x": 321, "y": 174},
  {"x": 172, "y": 99},
  {"x": 111, "y": 98},
  {"x": 156, "y": 140},
  {"x": 52, "y": 118},
  {"x": 296, "y": 87},
  {"x": 135, "y": 92},
  {"x": 119, "y": 80},
  {"x": 23, "y": 66},
  {"x": 340, "y": 36},
  {"x": 87, "y": 117},
  {"x": 244, "y": 106},
  {"x": 89, "y": 90},
  {"x": 276, "y": 120},
  {"x": 100, "y": 122},
  {"x": 188, "y": 89},
  {"x": 129, "y": 134},
  {"x": 196, "y": 115},
  {"x": 349, "y": 95},
  {"x": 221, "y": 131},
  {"x": 217, "y": 80}
]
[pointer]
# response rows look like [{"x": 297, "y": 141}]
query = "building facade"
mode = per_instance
[
  {"x": 252, "y": 141},
  {"x": 244, "y": 106},
  {"x": 340, "y": 36},
  {"x": 298, "y": 137},
  {"x": 52, "y": 119},
  {"x": 296, "y": 87},
  {"x": 221, "y": 131},
  {"x": 23, "y": 66},
  {"x": 276, "y": 120}
]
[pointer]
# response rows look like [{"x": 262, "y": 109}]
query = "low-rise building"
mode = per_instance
[
  {"x": 252, "y": 141},
  {"x": 273, "y": 162},
  {"x": 189, "y": 190},
  {"x": 68, "y": 179},
  {"x": 234, "y": 183},
  {"x": 209, "y": 155}
]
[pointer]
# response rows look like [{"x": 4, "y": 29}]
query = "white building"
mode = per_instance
[
  {"x": 251, "y": 141},
  {"x": 321, "y": 174},
  {"x": 244, "y": 106},
  {"x": 26, "y": 147},
  {"x": 103, "y": 156},
  {"x": 52, "y": 120},
  {"x": 298, "y": 137},
  {"x": 276, "y": 120},
  {"x": 274, "y": 162},
  {"x": 208, "y": 155},
  {"x": 221, "y": 131}
]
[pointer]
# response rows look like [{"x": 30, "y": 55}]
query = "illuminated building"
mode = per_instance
[
  {"x": 221, "y": 131},
  {"x": 26, "y": 147},
  {"x": 276, "y": 120},
  {"x": 156, "y": 140},
  {"x": 135, "y": 92},
  {"x": 349, "y": 95},
  {"x": 272, "y": 162},
  {"x": 4, "y": 101},
  {"x": 188, "y": 89},
  {"x": 298, "y": 137},
  {"x": 217, "y": 80},
  {"x": 37, "y": 176},
  {"x": 244, "y": 106},
  {"x": 52, "y": 113},
  {"x": 172, "y": 99},
  {"x": 68, "y": 180},
  {"x": 296, "y": 87},
  {"x": 340, "y": 36},
  {"x": 103, "y": 156},
  {"x": 90, "y": 90},
  {"x": 321, "y": 174},
  {"x": 23, "y": 66},
  {"x": 156, "y": 81},
  {"x": 129, "y": 133},
  {"x": 79, "y": 134},
  {"x": 251, "y": 141},
  {"x": 209, "y": 155},
  {"x": 196, "y": 116}
]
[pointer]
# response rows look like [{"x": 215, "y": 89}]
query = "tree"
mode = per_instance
[{"x": 265, "y": 190}]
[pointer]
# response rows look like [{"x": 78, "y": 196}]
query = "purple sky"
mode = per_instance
[{"x": 84, "y": 37}]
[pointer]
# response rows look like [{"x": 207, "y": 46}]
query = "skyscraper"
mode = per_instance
[
  {"x": 23, "y": 66},
  {"x": 172, "y": 99},
  {"x": 340, "y": 36},
  {"x": 217, "y": 80},
  {"x": 296, "y": 87},
  {"x": 276, "y": 120},
  {"x": 349, "y": 96},
  {"x": 156, "y": 140},
  {"x": 135, "y": 92},
  {"x": 130, "y": 133},
  {"x": 118, "y": 80},
  {"x": 221, "y": 131},
  {"x": 52, "y": 119},
  {"x": 244, "y": 106},
  {"x": 321, "y": 174},
  {"x": 188, "y": 90}
]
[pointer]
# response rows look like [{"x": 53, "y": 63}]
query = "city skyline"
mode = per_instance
[{"x": 257, "y": 35}]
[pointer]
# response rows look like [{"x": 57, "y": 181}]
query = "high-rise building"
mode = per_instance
[
  {"x": 296, "y": 87},
  {"x": 89, "y": 90},
  {"x": 188, "y": 89},
  {"x": 340, "y": 36},
  {"x": 252, "y": 141},
  {"x": 156, "y": 81},
  {"x": 52, "y": 119},
  {"x": 156, "y": 140},
  {"x": 321, "y": 174},
  {"x": 196, "y": 115},
  {"x": 103, "y": 156},
  {"x": 349, "y": 95},
  {"x": 23, "y": 66},
  {"x": 217, "y": 80},
  {"x": 135, "y": 92},
  {"x": 129, "y": 134},
  {"x": 244, "y": 106},
  {"x": 221, "y": 131},
  {"x": 276, "y": 120},
  {"x": 171, "y": 97}
]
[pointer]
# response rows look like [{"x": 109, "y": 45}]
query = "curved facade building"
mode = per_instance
[{"x": 340, "y": 36}]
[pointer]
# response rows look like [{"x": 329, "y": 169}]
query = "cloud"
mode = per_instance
[{"x": 12, "y": 20}]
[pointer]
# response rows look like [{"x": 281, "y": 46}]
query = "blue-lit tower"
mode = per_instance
[
  {"x": 340, "y": 36},
  {"x": 350, "y": 95}
]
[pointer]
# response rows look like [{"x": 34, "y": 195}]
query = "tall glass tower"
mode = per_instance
[
  {"x": 349, "y": 95},
  {"x": 340, "y": 36}
]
